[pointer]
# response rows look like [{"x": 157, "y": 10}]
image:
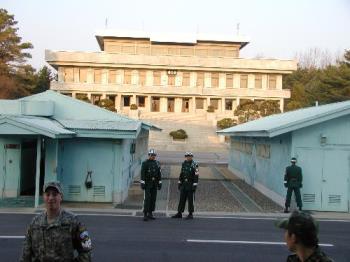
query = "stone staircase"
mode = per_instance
[{"x": 201, "y": 132}]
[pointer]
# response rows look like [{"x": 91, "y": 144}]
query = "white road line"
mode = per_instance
[
  {"x": 11, "y": 237},
  {"x": 244, "y": 242}
]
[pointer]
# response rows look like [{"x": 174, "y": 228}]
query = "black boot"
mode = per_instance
[
  {"x": 286, "y": 210},
  {"x": 145, "y": 217},
  {"x": 300, "y": 209},
  {"x": 177, "y": 215},
  {"x": 150, "y": 216},
  {"x": 190, "y": 216}
]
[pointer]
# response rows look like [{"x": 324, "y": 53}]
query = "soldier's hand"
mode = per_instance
[
  {"x": 179, "y": 186},
  {"x": 285, "y": 185},
  {"x": 194, "y": 188},
  {"x": 142, "y": 186},
  {"x": 159, "y": 186},
  {"x": 301, "y": 185}
]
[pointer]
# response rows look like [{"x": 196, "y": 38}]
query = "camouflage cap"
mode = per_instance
[
  {"x": 54, "y": 184},
  {"x": 299, "y": 223}
]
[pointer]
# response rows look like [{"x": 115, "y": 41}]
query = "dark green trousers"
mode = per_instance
[
  {"x": 149, "y": 200},
  {"x": 297, "y": 196},
  {"x": 186, "y": 195}
]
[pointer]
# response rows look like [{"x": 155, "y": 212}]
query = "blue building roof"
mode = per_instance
[
  {"x": 54, "y": 115},
  {"x": 278, "y": 124}
]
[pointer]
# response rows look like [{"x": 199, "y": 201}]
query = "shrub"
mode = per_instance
[
  {"x": 106, "y": 104},
  {"x": 133, "y": 107},
  {"x": 211, "y": 109},
  {"x": 83, "y": 97},
  {"x": 178, "y": 134},
  {"x": 226, "y": 123}
]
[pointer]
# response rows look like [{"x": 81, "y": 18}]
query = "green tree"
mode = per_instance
[
  {"x": 12, "y": 50},
  {"x": 247, "y": 111},
  {"x": 226, "y": 123},
  {"x": 42, "y": 80},
  {"x": 106, "y": 104},
  {"x": 269, "y": 107}
]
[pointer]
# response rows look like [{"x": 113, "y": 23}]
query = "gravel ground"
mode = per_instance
[{"x": 210, "y": 196}]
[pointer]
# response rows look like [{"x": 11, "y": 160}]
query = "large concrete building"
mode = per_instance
[{"x": 169, "y": 74}]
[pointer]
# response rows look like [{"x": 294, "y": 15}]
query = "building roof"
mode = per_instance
[
  {"x": 68, "y": 116},
  {"x": 170, "y": 37},
  {"x": 278, "y": 124}
]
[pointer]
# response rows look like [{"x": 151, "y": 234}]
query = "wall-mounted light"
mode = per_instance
[
  {"x": 323, "y": 139},
  {"x": 172, "y": 72}
]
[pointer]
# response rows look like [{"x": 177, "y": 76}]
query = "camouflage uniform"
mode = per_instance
[
  {"x": 57, "y": 241},
  {"x": 317, "y": 256}
]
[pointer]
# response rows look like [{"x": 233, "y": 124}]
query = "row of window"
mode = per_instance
[{"x": 111, "y": 75}]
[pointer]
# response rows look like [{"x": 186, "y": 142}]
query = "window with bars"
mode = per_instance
[
  {"x": 214, "y": 79},
  {"x": 127, "y": 77},
  {"x": 142, "y": 77},
  {"x": 156, "y": 78},
  {"x": 97, "y": 76},
  {"x": 272, "y": 82},
  {"x": 83, "y": 75},
  {"x": 200, "y": 79},
  {"x": 171, "y": 80},
  {"x": 244, "y": 81},
  {"x": 258, "y": 81},
  {"x": 68, "y": 74},
  {"x": 112, "y": 77},
  {"x": 186, "y": 79},
  {"x": 199, "y": 103},
  {"x": 229, "y": 80},
  {"x": 141, "y": 101},
  {"x": 228, "y": 104}
]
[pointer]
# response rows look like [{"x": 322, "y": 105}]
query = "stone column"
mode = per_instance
[
  {"x": 178, "y": 104},
  {"x": 163, "y": 104},
  {"x": 148, "y": 104},
  {"x": 117, "y": 102},
  {"x": 193, "y": 108},
  {"x": 282, "y": 104},
  {"x": 133, "y": 99},
  {"x": 223, "y": 109}
]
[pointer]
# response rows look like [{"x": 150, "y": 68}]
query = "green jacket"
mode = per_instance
[
  {"x": 293, "y": 176},
  {"x": 58, "y": 241},
  {"x": 151, "y": 173},
  {"x": 317, "y": 256},
  {"x": 188, "y": 178}
]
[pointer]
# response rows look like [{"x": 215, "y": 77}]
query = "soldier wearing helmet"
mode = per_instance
[
  {"x": 187, "y": 184},
  {"x": 151, "y": 181},
  {"x": 293, "y": 180}
]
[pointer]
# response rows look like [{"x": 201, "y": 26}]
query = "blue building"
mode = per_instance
[
  {"x": 320, "y": 139},
  {"x": 93, "y": 152}
]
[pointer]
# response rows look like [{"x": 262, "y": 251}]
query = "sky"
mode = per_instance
[{"x": 276, "y": 28}]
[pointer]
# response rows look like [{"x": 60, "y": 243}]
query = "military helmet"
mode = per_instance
[
  {"x": 188, "y": 154},
  {"x": 293, "y": 160},
  {"x": 152, "y": 152}
]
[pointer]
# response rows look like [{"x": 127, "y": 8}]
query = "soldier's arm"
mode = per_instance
[
  {"x": 82, "y": 242},
  {"x": 196, "y": 175},
  {"x": 143, "y": 173},
  {"x": 159, "y": 175},
  {"x": 27, "y": 247},
  {"x": 286, "y": 177}
]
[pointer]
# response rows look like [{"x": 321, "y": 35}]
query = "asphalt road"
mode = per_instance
[{"x": 128, "y": 238}]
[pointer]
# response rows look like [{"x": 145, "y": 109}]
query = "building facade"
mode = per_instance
[
  {"x": 169, "y": 74},
  {"x": 49, "y": 137},
  {"x": 316, "y": 136}
]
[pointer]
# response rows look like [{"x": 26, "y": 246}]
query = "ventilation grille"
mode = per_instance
[
  {"x": 309, "y": 198},
  {"x": 99, "y": 191},
  {"x": 334, "y": 199},
  {"x": 74, "y": 190}
]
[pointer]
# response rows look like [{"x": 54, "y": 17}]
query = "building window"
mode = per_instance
[
  {"x": 229, "y": 80},
  {"x": 186, "y": 79},
  {"x": 171, "y": 104},
  {"x": 127, "y": 77},
  {"x": 200, "y": 79},
  {"x": 68, "y": 74},
  {"x": 185, "y": 105},
  {"x": 83, "y": 75},
  {"x": 95, "y": 99},
  {"x": 272, "y": 82},
  {"x": 244, "y": 81},
  {"x": 112, "y": 77},
  {"x": 143, "y": 50},
  {"x": 173, "y": 50},
  {"x": 171, "y": 80},
  {"x": 141, "y": 101},
  {"x": 97, "y": 76},
  {"x": 215, "y": 103},
  {"x": 228, "y": 104},
  {"x": 199, "y": 103},
  {"x": 258, "y": 81},
  {"x": 156, "y": 78},
  {"x": 126, "y": 100},
  {"x": 214, "y": 79},
  {"x": 142, "y": 77},
  {"x": 155, "y": 104},
  {"x": 186, "y": 51}
]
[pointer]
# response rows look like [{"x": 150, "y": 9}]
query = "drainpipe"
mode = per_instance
[{"x": 37, "y": 175}]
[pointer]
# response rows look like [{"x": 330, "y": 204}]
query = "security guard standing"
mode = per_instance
[
  {"x": 293, "y": 180},
  {"x": 187, "y": 185},
  {"x": 151, "y": 180}
]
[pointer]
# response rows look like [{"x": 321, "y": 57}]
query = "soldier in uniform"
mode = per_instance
[
  {"x": 56, "y": 234},
  {"x": 151, "y": 180},
  {"x": 301, "y": 238},
  {"x": 293, "y": 180},
  {"x": 187, "y": 185}
]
